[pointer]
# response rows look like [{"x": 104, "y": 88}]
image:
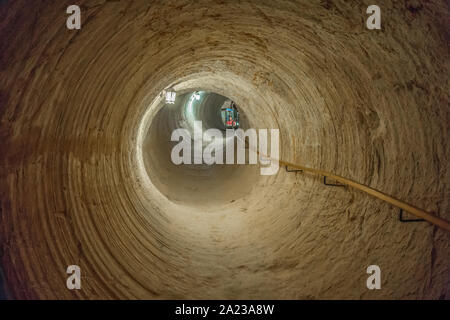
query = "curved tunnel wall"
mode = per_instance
[{"x": 368, "y": 105}]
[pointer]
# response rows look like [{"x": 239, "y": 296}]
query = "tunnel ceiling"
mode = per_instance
[{"x": 76, "y": 112}]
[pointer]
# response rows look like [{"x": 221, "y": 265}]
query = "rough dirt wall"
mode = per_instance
[{"x": 369, "y": 105}]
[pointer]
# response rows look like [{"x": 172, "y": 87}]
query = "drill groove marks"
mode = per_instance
[{"x": 84, "y": 183}]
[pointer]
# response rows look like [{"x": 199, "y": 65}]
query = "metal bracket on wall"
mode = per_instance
[
  {"x": 331, "y": 184},
  {"x": 287, "y": 170},
  {"x": 400, "y": 217}
]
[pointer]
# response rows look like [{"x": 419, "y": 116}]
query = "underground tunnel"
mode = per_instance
[
  {"x": 202, "y": 184},
  {"x": 86, "y": 171}
]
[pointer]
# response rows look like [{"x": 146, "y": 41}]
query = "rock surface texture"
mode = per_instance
[{"x": 77, "y": 185}]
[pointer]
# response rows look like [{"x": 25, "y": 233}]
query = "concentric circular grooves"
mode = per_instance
[{"x": 369, "y": 106}]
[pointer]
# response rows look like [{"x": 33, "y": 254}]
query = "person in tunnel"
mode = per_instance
[
  {"x": 230, "y": 116},
  {"x": 230, "y": 122}
]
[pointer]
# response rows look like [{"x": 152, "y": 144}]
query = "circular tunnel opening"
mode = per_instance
[{"x": 198, "y": 183}]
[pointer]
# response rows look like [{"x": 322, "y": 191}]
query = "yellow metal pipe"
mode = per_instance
[{"x": 442, "y": 223}]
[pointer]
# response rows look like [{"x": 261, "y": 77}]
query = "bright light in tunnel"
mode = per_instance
[
  {"x": 196, "y": 95},
  {"x": 170, "y": 97}
]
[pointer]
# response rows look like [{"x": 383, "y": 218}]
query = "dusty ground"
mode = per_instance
[{"x": 76, "y": 108}]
